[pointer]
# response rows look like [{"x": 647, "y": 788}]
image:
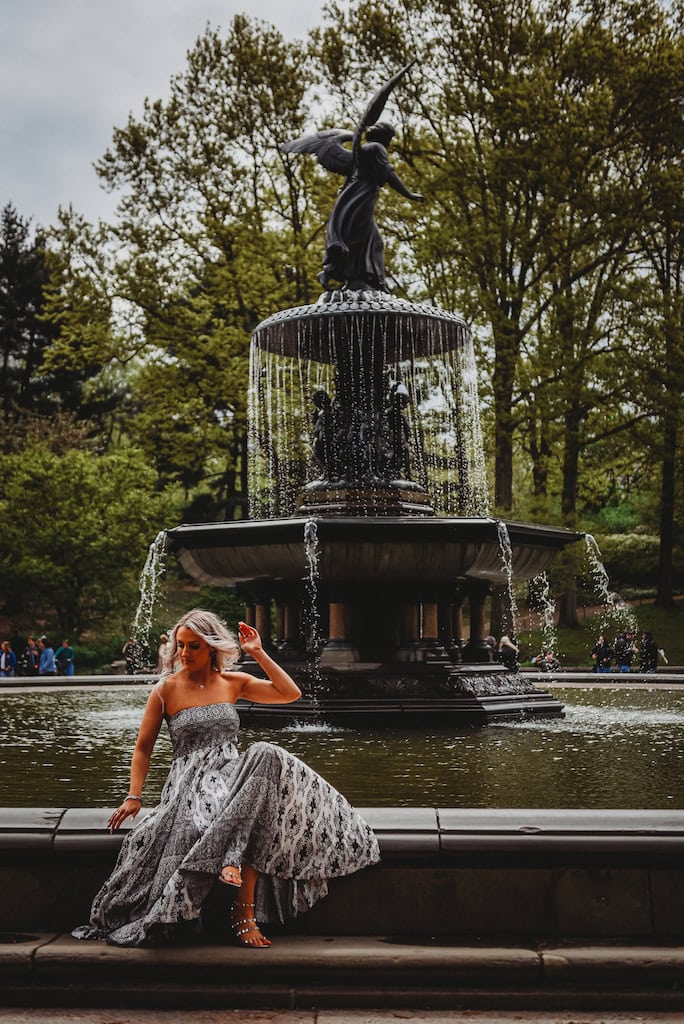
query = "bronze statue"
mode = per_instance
[{"x": 353, "y": 244}]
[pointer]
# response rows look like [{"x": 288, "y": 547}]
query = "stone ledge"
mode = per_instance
[
  {"x": 404, "y": 833},
  {"x": 524, "y": 875},
  {"x": 299, "y": 972}
]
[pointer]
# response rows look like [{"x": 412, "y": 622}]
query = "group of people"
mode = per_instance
[
  {"x": 625, "y": 651},
  {"x": 38, "y": 658}
]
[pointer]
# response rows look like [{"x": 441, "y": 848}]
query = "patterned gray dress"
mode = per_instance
[{"x": 263, "y": 807}]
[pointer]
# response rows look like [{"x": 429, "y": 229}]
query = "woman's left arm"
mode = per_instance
[{"x": 279, "y": 688}]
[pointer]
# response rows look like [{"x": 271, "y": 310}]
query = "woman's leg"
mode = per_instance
[{"x": 244, "y": 924}]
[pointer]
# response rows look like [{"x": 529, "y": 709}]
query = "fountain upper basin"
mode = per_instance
[
  {"x": 401, "y": 329},
  {"x": 357, "y": 548}
]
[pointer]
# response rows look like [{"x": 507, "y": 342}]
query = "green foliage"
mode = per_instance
[
  {"x": 631, "y": 560},
  {"x": 75, "y": 528},
  {"x": 24, "y": 332}
]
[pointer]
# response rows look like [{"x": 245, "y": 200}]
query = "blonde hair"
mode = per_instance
[{"x": 213, "y": 631}]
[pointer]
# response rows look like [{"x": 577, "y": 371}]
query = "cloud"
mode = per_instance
[{"x": 72, "y": 70}]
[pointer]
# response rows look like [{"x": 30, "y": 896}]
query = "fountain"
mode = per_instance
[{"x": 371, "y": 529}]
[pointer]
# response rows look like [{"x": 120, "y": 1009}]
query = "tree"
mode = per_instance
[
  {"x": 24, "y": 335},
  {"x": 213, "y": 233},
  {"x": 525, "y": 136},
  {"x": 76, "y": 526},
  {"x": 661, "y": 242}
]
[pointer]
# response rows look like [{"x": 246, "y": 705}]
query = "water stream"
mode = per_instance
[
  {"x": 506, "y": 550},
  {"x": 311, "y": 612},
  {"x": 542, "y": 591},
  {"x": 149, "y": 584},
  {"x": 617, "y": 616}
]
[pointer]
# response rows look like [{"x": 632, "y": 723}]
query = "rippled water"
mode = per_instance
[{"x": 614, "y": 748}]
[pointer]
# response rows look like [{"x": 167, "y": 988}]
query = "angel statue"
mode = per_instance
[{"x": 353, "y": 244}]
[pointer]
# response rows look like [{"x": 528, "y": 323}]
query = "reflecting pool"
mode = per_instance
[{"x": 614, "y": 748}]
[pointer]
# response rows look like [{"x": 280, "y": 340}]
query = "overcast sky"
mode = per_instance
[{"x": 72, "y": 70}]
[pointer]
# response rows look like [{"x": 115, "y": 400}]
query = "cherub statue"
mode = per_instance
[{"x": 353, "y": 244}]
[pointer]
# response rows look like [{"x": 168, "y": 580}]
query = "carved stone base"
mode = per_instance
[
  {"x": 362, "y": 694},
  {"x": 386, "y": 498}
]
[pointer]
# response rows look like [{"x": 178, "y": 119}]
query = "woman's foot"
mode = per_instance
[
  {"x": 231, "y": 876},
  {"x": 246, "y": 929}
]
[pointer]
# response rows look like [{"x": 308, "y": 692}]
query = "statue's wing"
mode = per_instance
[
  {"x": 377, "y": 104},
  {"x": 327, "y": 148},
  {"x": 375, "y": 109}
]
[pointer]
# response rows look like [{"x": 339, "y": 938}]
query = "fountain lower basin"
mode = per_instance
[
  {"x": 364, "y": 549},
  {"x": 368, "y": 611}
]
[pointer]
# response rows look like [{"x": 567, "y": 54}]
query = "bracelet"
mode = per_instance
[{"x": 132, "y": 796}]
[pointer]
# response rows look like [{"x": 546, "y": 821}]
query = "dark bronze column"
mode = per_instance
[{"x": 476, "y": 649}]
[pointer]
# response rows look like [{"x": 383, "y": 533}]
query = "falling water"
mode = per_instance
[
  {"x": 281, "y": 409},
  {"x": 475, "y": 501},
  {"x": 617, "y": 615},
  {"x": 149, "y": 581},
  {"x": 506, "y": 551},
  {"x": 311, "y": 614},
  {"x": 542, "y": 592},
  {"x": 443, "y": 414}
]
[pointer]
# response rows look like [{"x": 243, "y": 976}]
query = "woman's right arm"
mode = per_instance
[{"x": 140, "y": 762}]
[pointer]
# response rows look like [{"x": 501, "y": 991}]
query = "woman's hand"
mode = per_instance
[
  {"x": 250, "y": 641},
  {"x": 128, "y": 809}
]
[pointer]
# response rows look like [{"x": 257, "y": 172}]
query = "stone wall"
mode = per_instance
[{"x": 511, "y": 875}]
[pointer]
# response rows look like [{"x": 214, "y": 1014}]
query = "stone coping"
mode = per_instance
[
  {"x": 404, "y": 833},
  {"x": 673, "y": 676},
  {"x": 300, "y": 971}
]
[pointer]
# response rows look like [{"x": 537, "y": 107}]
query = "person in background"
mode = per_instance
[
  {"x": 491, "y": 644},
  {"x": 547, "y": 662},
  {"x": 648, "y": 653},
  {"x": 30, "y": 659},
  {"x": 624, "y": 649},
  {"x": 8, "y": 660},
  {"x": 163, "y": 641},
  {"x": 601, "y": 654},
  {"x": 64, "y": 659},
  {"x": 508, "y": 653},
  {"x": 131, "y": 653},
  {"x": 47, "y": 665}
]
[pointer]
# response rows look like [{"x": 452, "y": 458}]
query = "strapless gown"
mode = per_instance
[{"x": 263, "y": 807}]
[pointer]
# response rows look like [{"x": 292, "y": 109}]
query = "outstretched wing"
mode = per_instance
[
  {"x": 327, "y": 148},
  {"x": 377, "y": 104}
]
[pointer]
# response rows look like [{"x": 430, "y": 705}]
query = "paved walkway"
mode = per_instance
[
  {"x": 54, "y": 1016},
  {"x": 40, "y": 1016}
]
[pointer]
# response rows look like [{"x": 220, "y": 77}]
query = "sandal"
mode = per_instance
[
  {"x": 230, "y": 876},
  {"x": 246, "y": 926}
]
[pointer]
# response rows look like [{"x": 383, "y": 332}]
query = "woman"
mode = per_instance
[
  {"x": 261, "y": 822},
  {"x": 602, "y": 654},
  {"x": 648, "y": 653},
  {"x": 508, "y": 654},
  {"x": 47, "y": 666}
]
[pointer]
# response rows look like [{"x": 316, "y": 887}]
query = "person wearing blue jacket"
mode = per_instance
[
  {"x": 8, "y": 660},
  {"x": 47, "y": 665}
]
